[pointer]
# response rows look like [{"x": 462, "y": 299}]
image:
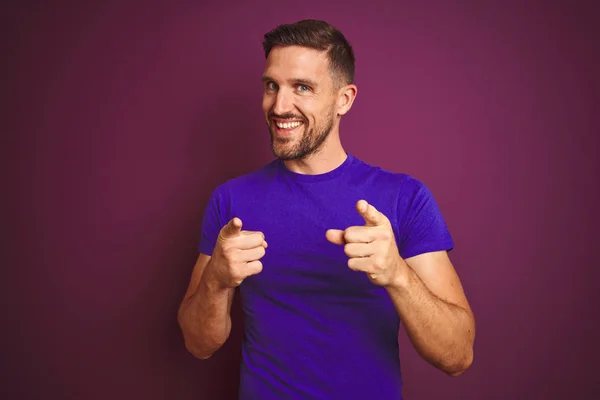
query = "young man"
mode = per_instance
[{"x": 328, "y": 252}]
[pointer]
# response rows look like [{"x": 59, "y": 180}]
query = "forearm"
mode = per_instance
[
  {"x": 442, "y": 333},
  {"x": 205, "y": 318}
]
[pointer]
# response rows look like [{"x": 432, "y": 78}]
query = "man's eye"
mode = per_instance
[
  {"x": 302, "y": 88},
  {"x": 271, "y": 86}
]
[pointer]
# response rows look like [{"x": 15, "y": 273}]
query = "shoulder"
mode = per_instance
[
  {"x": 405, "y": 185},
  {"x": 247, "y": 182}
]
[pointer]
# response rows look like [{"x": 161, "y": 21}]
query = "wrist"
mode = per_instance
[
  {"x": 400, "y": 279},
  {"x": 210, "y": 278}
]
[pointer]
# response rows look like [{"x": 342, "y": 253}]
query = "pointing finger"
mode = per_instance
[
  {"x": 232, "y": 229},
  {"x": 370, "y": 214}
]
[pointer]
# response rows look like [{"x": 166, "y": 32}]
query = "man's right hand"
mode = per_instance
[{"x": 236, "y": 255}]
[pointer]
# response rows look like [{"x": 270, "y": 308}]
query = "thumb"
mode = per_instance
[
  {"x": 232, "y": 229},
  {"x": 370, "y": 214},
  {"x": 335, "y": 236}
]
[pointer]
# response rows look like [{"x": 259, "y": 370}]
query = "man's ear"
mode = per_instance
[{"x": 345, "y": 99}]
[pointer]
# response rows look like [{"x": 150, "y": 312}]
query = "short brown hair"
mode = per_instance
[{"x": 318, "y": 35}]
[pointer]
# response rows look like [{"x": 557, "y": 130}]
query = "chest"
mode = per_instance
[{"x": 299, "y": 258}]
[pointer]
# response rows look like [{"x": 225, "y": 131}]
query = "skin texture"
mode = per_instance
[
  {"x": 298, "y": 85},
  {"x": 425, "y": 289}
]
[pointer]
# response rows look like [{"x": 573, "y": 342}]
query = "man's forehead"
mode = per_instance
[{"x": 296, "y": 61}]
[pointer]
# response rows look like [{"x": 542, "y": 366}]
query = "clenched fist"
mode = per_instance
[
  {"x": 370, "y": 248},
  {"x": 237, "y": 254}
]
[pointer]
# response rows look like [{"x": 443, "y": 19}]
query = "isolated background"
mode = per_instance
[{"x": 120, "y": 117}]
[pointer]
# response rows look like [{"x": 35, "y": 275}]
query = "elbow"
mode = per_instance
[
  {"x": 460, "y": 364},
  {"x": 463, "y": 357},
  {"x": 192, "y": 342},
  {"x": 199, "y": 348},
  {"x": 456, "y": 372},
  {"x": 201, "y": 341},
  {"x": 197, "y": 352}
]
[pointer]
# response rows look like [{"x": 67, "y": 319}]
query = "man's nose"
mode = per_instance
[{"x": 283, "y": 103}]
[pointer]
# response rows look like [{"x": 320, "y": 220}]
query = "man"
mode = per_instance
[{"x": 328, "y": 252}]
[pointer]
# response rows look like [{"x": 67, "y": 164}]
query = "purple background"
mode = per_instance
[{"x": 122, "y": 116}]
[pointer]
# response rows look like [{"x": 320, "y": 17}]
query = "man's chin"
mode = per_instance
[{"x": 282, "y": 154}]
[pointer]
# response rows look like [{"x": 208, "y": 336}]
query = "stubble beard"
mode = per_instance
[{"x": 310, "y": 142}]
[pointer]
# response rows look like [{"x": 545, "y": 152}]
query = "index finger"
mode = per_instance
[{"x": 232, "y": 229}]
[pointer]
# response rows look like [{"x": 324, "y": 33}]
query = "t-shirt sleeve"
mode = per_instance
[
  {"x": 422, "y": 226},
  {"x": 212, "y": 222}
]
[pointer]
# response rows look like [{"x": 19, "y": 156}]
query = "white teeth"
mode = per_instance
[{"x": 287, "y": 125}]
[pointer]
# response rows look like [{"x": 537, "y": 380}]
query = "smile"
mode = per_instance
[{"x": 288, "y": 125}]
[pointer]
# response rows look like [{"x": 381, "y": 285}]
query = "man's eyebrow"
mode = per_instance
[
  {"x": 306, "y": 82},
  {"x": 301, "y": 81}
]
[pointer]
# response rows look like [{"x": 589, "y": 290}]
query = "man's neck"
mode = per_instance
[{"x": 328, "y": 158}]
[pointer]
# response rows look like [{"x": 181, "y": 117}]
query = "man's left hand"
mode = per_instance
[{"x": 371, "y": 248}]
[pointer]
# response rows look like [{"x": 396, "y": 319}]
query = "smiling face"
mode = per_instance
[{"x": 299, "y": 101}]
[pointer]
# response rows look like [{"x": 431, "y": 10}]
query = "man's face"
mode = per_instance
[{"x": 298, "y": 101}]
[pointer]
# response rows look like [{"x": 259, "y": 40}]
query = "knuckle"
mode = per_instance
[
  {"x": 377, "y": 261},
  {"x": 229, "y": 255},
  {"x": 348, "y": 233},
  {"x": 250, "y": 240},
  {"x": 236, "y": 275},
  {"x": 226, "y": 246},
  {"x": 388, "y": 235}
]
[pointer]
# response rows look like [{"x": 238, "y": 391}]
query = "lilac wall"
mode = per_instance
[{"x": 126, "y": 116}]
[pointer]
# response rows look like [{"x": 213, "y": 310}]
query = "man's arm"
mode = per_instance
[
  {"x": 425, "y": 290},
  {"x": 205, "y": 312},
  {"x": 431, "y": 303}
]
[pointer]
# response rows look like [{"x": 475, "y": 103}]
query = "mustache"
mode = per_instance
[{"x": 271, "y": 115}]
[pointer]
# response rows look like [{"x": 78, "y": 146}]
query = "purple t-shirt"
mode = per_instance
[{"x": 315, "y": 329}]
